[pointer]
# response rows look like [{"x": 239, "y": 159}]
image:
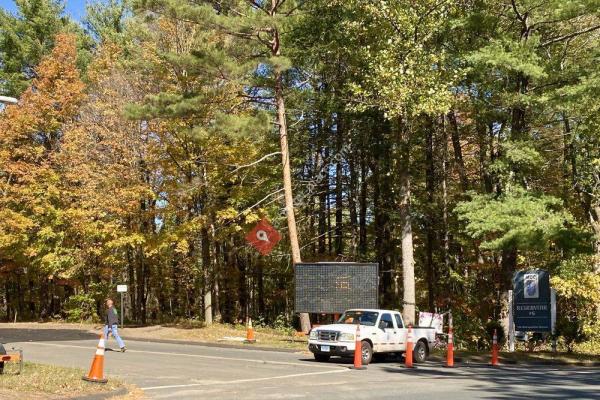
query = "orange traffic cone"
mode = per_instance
[
  {"x": 250, "y": 332},
  {"x": 96, "y": 373},
  {"x": 408, "y": 355},
  {"x": 494, "y": 362},
  {"x": 450, "y": 353},
  {"x": 358, "y": 351}
]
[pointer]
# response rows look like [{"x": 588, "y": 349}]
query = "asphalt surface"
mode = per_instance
[{"x": 179, "y": 371}]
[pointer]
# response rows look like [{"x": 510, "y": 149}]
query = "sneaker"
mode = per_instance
[{"x": 123, "y": 349}]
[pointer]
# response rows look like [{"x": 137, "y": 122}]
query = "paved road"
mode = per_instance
[{"x": 177, "y": 371}]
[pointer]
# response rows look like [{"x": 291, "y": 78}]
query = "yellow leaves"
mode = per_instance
[
  {"x": 132, "y": 241},
  {"x": 182, "y": 246},
  {"x": 254, "y": 217},
  {"x": 227, "y": 214},
  {"x": 14, "y": 229},
  {"x": 586, "y": 286},
  {"x": 29, "y": 136}
]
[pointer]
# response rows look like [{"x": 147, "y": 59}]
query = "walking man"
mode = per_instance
[{"x": 111, "y": 324}]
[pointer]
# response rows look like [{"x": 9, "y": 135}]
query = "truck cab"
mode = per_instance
[{"x": 380, "y": 332}]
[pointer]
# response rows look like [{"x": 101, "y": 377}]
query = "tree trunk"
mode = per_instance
[
  {"x": 446, "y": 236},
  {"x": 458, "y": 157},
  {"x": 383, "y": 202},
  {"x": 207, "y": 287},
  {"x": 323, "y": 189},
  {"x": 339, "y": 242},
  {"x": 216, "y": 276},
  {"x": 484, "y": 162},
  {"x": 408, "y": 262},
  {"x": 430, "y": 235},
  {"x": 352, "y": 196},
  {"x": 285, "y": 159},
  {"x": 362, "y": 214}
]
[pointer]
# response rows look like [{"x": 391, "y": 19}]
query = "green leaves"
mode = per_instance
[
  {"x": 516, "y": 220},
  {"x": 508, "y": 56},
  {"x": 405, "y": 72}
]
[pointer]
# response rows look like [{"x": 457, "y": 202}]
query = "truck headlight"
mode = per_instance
[
  {"x": 347, "y": 337},
  {"x": 313, "y": 335}
]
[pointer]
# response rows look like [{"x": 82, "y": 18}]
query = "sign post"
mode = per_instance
[
  {"x": 553, "y": 317},
  {"x": 531, "y": 301},
  {"x": 122, "y": 289},
  {"x": 511, "y": 322}
]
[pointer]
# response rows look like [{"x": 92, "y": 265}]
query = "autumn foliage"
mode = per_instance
[{"x": 453, "y": 143}]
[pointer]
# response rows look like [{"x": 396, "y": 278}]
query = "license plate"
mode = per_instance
[{"x": 325, "y": 348}]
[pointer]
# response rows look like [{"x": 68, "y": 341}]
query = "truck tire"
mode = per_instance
[
  {"x": 322, "y": 357},
  {"x": 367, "y": 352},
  {"x": 420, "y": 352}
]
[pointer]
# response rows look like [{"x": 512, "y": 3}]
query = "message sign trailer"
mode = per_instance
[
  {"x": 334, "y": 287},
  {"x": 122, "y": 289}
]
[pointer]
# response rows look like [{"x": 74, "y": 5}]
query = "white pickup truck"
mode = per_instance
[{"x": 381, "y": 331}]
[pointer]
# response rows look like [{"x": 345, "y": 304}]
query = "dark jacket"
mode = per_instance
[{"x": 112, "y": 318}]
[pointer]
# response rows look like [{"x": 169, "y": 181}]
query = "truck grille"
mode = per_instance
[{"x": 328, "y": 336}]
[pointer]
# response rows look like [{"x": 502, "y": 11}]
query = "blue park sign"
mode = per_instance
[{"x": 532, "y": 310}]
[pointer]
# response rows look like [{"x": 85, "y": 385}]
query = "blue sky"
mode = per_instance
[{"x": 75, "y": 8}]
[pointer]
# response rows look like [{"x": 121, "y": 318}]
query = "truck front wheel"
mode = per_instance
[
  {"x": 367, "y": 352},
  {"x": 420, "y": 352}
]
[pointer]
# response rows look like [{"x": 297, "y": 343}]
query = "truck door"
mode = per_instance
[
  {"x": 389, "y": 333},
  {"x": 400, "y": 342}
]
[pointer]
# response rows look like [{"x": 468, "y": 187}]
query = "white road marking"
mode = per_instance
[
  {"x": 310, "y": 365},
  {"x": 335, "y": 371}
]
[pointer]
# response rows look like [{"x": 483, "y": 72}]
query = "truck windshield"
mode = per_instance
[{"x": 368, "y": 318}]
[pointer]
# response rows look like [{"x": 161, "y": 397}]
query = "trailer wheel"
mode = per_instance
[{"x": 420, "y": 352}]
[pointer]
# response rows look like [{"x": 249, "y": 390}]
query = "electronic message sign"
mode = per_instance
[{"x": 332, "y": 288}]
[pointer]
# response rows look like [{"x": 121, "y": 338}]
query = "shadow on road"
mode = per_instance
[
  {"x": 508, "y": 383},
  {"x": 8, "y": 335},
  {"x": 389, "y": 359}
]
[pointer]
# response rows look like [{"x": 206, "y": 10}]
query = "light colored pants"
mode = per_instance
[{"x": 115, "y": 333}]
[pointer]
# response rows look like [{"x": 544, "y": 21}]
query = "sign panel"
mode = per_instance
[
  {"x": 121, "y": 288},
  {"x": 432, "y": 320},
  {"x": 263, "y": 237},
  {"x": 531, "y": 305},
  {"x": 332, "y": 288}
]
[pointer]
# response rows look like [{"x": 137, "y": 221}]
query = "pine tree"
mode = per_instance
[{"x": 254, "y": 29}]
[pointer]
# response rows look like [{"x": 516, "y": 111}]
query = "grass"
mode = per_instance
[
  {"x": 49, "y": 382},
  {"x": 216, "y": 333}
]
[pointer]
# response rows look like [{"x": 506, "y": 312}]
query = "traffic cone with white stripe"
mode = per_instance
[
  {"x": 96, "y": 373},
  {"x": 358, "y": 351},
  {"x": 450, "y": 353},
  {"x": 494, "y": 362},
  {"x": 408, "y": 355},
  {"x": 250, "y": 332}
]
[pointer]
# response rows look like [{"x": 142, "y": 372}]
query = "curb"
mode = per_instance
[
  {"x": 102, "y": 396},
  {"x": 504, "y": 362},
  {"x": 216, "y": 345}
]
